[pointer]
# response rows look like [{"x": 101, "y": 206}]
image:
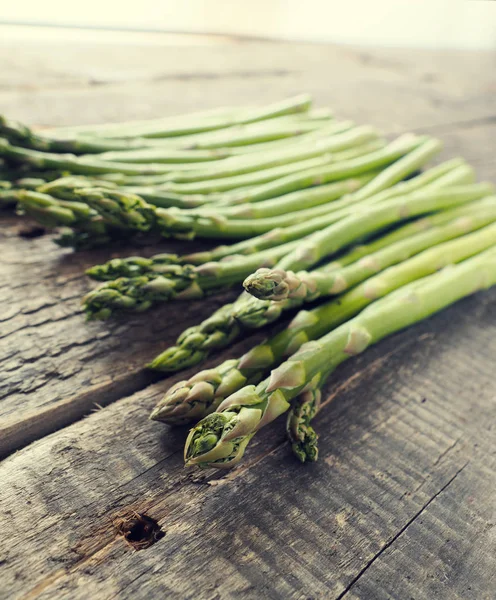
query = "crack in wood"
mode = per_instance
[{"x": 362, "y": 572}]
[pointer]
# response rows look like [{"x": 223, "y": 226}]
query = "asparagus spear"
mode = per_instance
[
  {"x": 132, "y": 266},
  {"x": 300, "y": 433},
  {"x": 220, "y": 439},
  {"x": 20, "y": 134},
  {"x": 330, "y": 239},
  {"x": 172, "y": 281},
  {"x": 238, "y": 165},
  {"x": 432, "y": 179},
  {"x": 202, "y": 394},
  {"x": 195, "y": 343},
  {"x": 299, "y": 200},
  {"x": 140, "y": 293},
  {"x": 100, "y": 129},
  {"x": 52, "y": 212},
  {"x": 216, "y": 185},
  {"x": 166, "y": 155},
  {"x": 237, "y": 181},
  {"x": 156, "y": 129},
  {"x": 74, "y": 164},
  {"x": 215, "y": 203},
  {"x": 266, "y": 135},
  {"x": 340, "y": 170},
  {"x": 277, "y": 284},
  {"x": 217, "y": 144},
  {"x": 66, "y": 189}
]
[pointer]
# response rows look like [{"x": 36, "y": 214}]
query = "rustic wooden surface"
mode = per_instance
[{"x": 401, "y": 503}]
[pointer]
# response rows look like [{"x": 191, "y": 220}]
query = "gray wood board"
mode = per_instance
[{"x": 399, "y": 503}]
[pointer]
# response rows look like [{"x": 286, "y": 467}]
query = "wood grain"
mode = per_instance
[
  {"x": 401, "y": 503},
  {"x": 410, "y": 422}
]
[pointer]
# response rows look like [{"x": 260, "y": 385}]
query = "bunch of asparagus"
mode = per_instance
[{"x": 316, "y": 211}]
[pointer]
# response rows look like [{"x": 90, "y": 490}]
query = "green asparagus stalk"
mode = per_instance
[
  {"x": 266, "y": 135},
  {"x": 225, "y": 325},
  {"x": 216, "y": 185},
  {"x": 208, "y": 203},
  {"x": 65, "y": 189},
  {"x": 172, "y": 282},
  {"x": 435, "y": 178},
  {"x": 166, "y": 155},
  {"x": 375, "y": 218},
  {"x": 101, "y": 129},
  {"x": 202, "y": 394},
  {"x": 238, "y": 165},
  {"x": 353, "y": 167},
  {"x": 123, "y": 210},
  {"x": 401, "y": 233},
  {"x": 238, "y": 181},
  {"x": 404, "y": 166},
  {"x": 277, "y": 284},
  {"x": 132, "y": 266},
  {"x": 217, "y": 145},
  {"x": 77, "y": 165},
  {"x": 299, "y": 200},
  {"x": 220, "y": 439},
  {"x": 22, "y": 135},
  {"x": 156, "y": 129},
  {"x": 53, "y": 213}
]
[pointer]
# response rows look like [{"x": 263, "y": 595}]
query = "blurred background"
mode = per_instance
[{"x": 401, "y": 23}]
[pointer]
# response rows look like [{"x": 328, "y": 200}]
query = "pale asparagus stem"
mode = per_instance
[
  {"x": 401, "y": 168},
  {"x": 426, "y": 180},
  {"x": 165, "y": 155},
  {"x": 340, "y": 193},
  {"x": 220, "y": 439},
  {"x": 239, "y": 165},
  {"x": 102, "y": 128},
  {"x": 321, "y": 114},
  {"x": 263, "y": 175},
  {"x": 156, "y": 129},
  {"x": 350, "y": 167},
  {"x": 241, "y": 181},
  {"x": 309, "y": 325},
  {"x": 324, "y": 131},
  {"x": 172, "y": 282},
  {"x": 209, "y": 151},
  {"x": 277, "y": 284},
  {"x": 292, "y": 201}
]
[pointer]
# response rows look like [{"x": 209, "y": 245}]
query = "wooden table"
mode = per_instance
[{"x": 401, "y": 503}]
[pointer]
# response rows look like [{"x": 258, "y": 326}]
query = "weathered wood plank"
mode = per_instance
[
  {"x": 56, "y": 366},
  {"x": 405, "y": 465},
  {"x": 394, "y": 89}
]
